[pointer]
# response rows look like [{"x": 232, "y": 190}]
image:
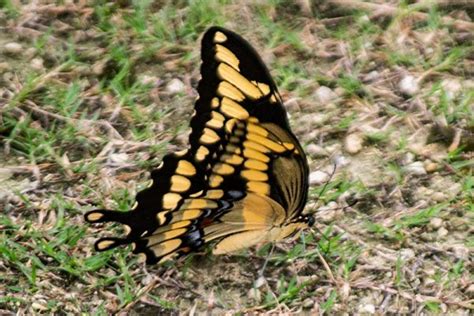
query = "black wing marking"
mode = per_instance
[{"x": 240, "y": 143}]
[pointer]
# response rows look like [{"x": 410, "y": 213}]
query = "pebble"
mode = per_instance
[
  {"x": 408, "y": 85},
  {"x": 367, "y": 308},
  {"x": 436, "y": 222},
  {"x": 353, "y": 143},
  {"x": 318, "y": 177},
  {"x": 13, "y": 48},
  {"x": 430, "y": 166},
  {"x": 316, "y": 151},
  {"x": 254, "y": 294},
  {"x": 461, "y": 251},
  {"x": 325, "y": 95},
  {"x": 118, "y": 158},
  {"x": 4, "y": 67},
  {"x": 442, "y": 232},
  {"x": 438, "y": 197},
  {"x": 415, "y": 168},
  {"x": 341, "y": 161},
  {"x": 408, "y": 158},
  {"x": 407, "y": 254},
  {"x": 308, "y": 303},
  {"x": 37, "y": 63},
  {"x": 372, "y": 76},
  {"x": 452, "y": 87},
  {"x": 175, "y": 86},
  {"x": 149, "y": 80}
]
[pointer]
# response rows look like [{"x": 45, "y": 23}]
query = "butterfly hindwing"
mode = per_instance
[{"x": 243, "y": 178}]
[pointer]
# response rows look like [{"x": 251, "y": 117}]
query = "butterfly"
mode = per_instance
[{"x": 242, "y": 181}]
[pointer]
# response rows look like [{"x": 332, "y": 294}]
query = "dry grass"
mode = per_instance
[{"x": 91, "y": 97}]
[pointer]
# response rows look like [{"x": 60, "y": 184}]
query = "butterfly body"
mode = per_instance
[{"x": 243, "y": 180}]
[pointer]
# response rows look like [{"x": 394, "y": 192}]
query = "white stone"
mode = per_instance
[
  {"x": 353, "y": 143},
  {"x": 318, "y": 177},
  {"x": 367, "y": 308},
  {"x": 175, "y": 86},
  {"x": 409, "y": 85},
  {"x": 442, "y": 232},
  {"x": 415, "y": 168},
  {"x": 325, "y": 95},
  {"x": 13, "y": 48},
  {"x": 316, "y": 151},
  {"x": 119, "y": 158},
  {"x": 436, "y": 222},
  {"x": 407, "y": 254},
  {"x": 438, "y": 197},
  {"x": 452, "y": 87},
  {"x": 37, "y": 63}
]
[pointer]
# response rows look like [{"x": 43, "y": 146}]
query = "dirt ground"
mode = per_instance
[{"x": 93, "y": 94}]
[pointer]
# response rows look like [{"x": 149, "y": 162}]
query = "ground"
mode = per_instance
[{"x": 93, "y": 95}]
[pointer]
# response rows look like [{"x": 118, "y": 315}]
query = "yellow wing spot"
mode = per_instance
[
  {"x": 214, "y": 194},
  {"x": 215, "y": 180},
  {"x": 161, "y": 217},
  {"x": 104, "y": 244},
  {"x": 226, "y": 56},
  {"x": 94, "y": 217},
  {"x": 168, "y": 257},
  {"x": 199, "y": 204},
  {"x": 229, "y": 125},
  {"x": 180, "y": 183},
  {"x": 185, "y": 215},
  {"x": 223, "y": 169},
  {"x": 259, "y": 187},
  {"x": 171, "y": 200},
  {"x": 225, "y": 89},
  {"x": 254, "y": 175},
  {"x": 166, "y": 247},
  {"x": 215, "y": 103},
  {"x": 266, "y": 142},
  {"x": 201, "y": 153},
  {"x": 158, "y": 238},
  {"x": 172, "y": 226},
  {"x": 181, "y": 153},
  {"x": 232, "y": 159},
  {"x": 289, "y": 146},
  {"x": 255, "y": 146},
  {"x": 273, "y": 99},
  {"x": 253, "y": 154},
  {"x": 231, "y": 75},
  {"x": 209, "y": 136},
  {"x": 185, "y": 168},
  {"x": 262, "y": 86},
  {"x": 216, "y": 121},
  {"x": 135, "y": 205},
  {"x": 255, "y": 164},
  {"x": 127, "y": 229},
  {"x": 160, "y": 165},
  {"x": 197, "y": 194},
  {"x": 253, "y": 119},
  {"x": 253, "y": 128},
  {"x": 232, "y": 109},
  {"x": 149, "y": 184},
  {"x": 219, "y": 37}
]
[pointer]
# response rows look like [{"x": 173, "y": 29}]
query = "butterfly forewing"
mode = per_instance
[{"x": 244, "y": 172}]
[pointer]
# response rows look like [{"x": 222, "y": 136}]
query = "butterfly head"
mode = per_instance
[{"x": 308, "y": 219}]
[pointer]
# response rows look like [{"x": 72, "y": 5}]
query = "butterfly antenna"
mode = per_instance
[{"x": 262, "y": 270}]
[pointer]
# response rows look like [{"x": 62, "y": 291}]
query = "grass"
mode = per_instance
[{"x": 83, "y": 130}]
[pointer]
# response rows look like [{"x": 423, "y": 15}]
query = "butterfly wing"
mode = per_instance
[{"x": 244, "y": 172}]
